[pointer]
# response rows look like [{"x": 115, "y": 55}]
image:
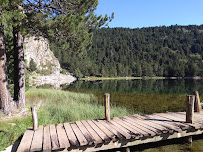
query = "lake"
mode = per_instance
[
  {"x": 142, "y": 96},
  {"x": 146, "y": 97}
]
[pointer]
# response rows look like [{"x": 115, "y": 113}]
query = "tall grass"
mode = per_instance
[{"x": 55, "y": 106}]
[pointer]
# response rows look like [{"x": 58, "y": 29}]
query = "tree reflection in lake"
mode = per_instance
[{"x": 142, "y": 96}]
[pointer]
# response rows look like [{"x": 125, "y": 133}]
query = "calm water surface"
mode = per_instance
[{"x": 146, "y": 97}]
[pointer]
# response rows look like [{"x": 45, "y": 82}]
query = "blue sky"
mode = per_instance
[{"x": 145, "y": 13}]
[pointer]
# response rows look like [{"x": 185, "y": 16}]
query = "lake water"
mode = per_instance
[{"x": 146, "y": 97}]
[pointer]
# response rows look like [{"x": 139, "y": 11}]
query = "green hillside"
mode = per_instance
[{"x": 153, "y": 51}]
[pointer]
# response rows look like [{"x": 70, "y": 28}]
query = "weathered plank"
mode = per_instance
[
  {"x": 26, "y": 141},
  {"x": 62, "y": 137},
  {"x": 165, "y": 122},
  {"x": 37, "y": 139},
  {"x": 141, "y": 124},
  {"x": 47, "y": 139},
  {"x": 162, "y": 122},
  {"x": 71, "y": 136},
  {"x": 196, "y": 125},
  {"x": 82, "y": 140},
  {"x": 142, "y": 129},
  {"x": 104, "y": 129},
  {"x": 115, "y": 132},
  {"x": 84, "y": 131},
  {"x": 128, "y": 126},
  {"x": 103, "y": 136},
  {"x": 178, "y": 121},
  {"x": 54, "y": 138},
  {"x": 122, "y": 130},
  {"x": 93, "y": 133},
  {"x": 153, "y": 125}
]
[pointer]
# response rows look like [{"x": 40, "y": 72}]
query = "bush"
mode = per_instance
[{"x": 33, "y": 66}]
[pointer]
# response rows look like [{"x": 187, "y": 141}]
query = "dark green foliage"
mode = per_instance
[
  {"x": 33, "y": 66},
  {"x": 154, "y": 51}
]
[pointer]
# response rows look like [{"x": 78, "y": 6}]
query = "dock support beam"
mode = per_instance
[
  {"x": 190, "y": 100},
  {"x": 34, "y": 117},
  {"x": 197, "y": 102},
  {"x": 107, "y": 106}
]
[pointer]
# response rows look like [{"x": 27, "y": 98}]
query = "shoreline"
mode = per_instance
[{"x": 139, "y": 78}]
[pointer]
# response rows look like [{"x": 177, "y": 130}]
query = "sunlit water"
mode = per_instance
[{"x": 146, "y": 97}]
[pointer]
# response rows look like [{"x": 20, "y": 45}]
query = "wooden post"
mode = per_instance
[
  {"x": 34, "y": 117},
  {"x": 127, "y": 149},
  {"x": 197, "y": 102},
  {"x": 190, "y": 108},
  {"x": 107, "y": 106},
  {"x": 189, "y": 113}
]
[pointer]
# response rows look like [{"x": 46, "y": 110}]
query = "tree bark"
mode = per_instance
[
  {"x": 5, "y": 96},
  {"x": 19, "y": 68}
]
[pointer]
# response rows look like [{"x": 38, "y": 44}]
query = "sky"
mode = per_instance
[{"x": 148, "y": 13}]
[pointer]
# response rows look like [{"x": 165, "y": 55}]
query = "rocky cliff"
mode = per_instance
[{"x": 48, "y": 69}]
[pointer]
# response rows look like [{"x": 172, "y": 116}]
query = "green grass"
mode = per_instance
[{"x": 54, "y": 106}]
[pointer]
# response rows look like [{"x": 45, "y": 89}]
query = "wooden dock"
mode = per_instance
[{"x": 118, "y": 132}]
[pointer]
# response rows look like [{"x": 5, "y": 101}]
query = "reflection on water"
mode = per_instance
[
  {"x": 147, "y": 96},
  {"x": 142, "y": 96}
]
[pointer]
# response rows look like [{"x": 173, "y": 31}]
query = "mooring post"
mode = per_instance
[
  {"x": 197, "y": 102},
  {"x": 190, "y": 108},
  {"x": 34, "y": 117},
  {"x": 127, "y": 149},
  {"x": 189, "y": 113},
  {"x": 107, "y": 106}
]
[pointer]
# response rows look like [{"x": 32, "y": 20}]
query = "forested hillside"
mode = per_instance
[{"x": 153, "y": 51}]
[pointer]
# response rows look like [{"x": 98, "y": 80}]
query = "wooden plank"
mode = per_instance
[
  {"x": 47, "y": 139},
  {"x": 154, "y": 125},
  {"x": 196, "y": 125},
  {"x": 168, "y": 115},
  {"x": 104, "y": 129},
  {"x": 82, "y": 140},
  {"x": 115, "y": 132},
  {"x": 26, "y": 141},
  {"x": 103, "y": 136},
  {"x": 84, "y": 131},
  {"x": 37, "y": 139},
  {"x": 198, "y": 118},
  {"x": 157, "y": 132},
  {"x": 54, "y": 138},
  {"x": 161, "y": 122},
  {"x": 166, "y": 122},
  {"x": 71, "y": 136},
  {"x": 177, "y": 121},
  {"x": 149, "y": 131},
  {"x": 62, "y": 137},
  {"x": 93, "y": 133},
  {"x": 134, "y": 130},
  {"x": 122, "y": 130}
]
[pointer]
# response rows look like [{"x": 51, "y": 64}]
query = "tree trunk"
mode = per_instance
[
  {"x": 5, "y": 96},
  {"x": 19, "y": 68}
]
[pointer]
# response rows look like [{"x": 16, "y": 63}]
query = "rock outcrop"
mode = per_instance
[{"x": 48, "y": 67}]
